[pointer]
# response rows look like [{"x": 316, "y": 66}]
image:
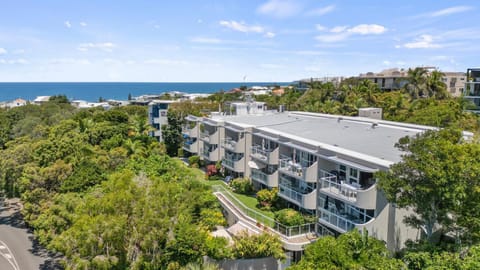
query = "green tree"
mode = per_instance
[
  {"x": 350, "y": 250},
  {"x": 172, "y": 133},
  {"x": 433, "y": 180},
  {"x": 289, "y": 217}
]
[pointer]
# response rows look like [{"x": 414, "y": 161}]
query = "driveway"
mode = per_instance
[{"x": 18, "y": 249}]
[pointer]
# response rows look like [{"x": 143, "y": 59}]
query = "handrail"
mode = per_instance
[{"x": 287, "y": 231}]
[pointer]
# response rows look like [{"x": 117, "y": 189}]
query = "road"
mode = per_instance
[{"x": 18, "y": 250}]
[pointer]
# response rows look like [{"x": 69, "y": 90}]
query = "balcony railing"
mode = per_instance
[
  {"x": 266, "y": 155},
  {"x": 295, "y": 169},
  {"x": 270, "y": 180},
  {"x": 235, "y": 165},
  {"x": 210, "y": 155},
  {"x": 191, "y": 132},
  {"x": 190, "y": 146},
  {"x": 232, "y": 145},
  {"x": 361, "y": 197},
  {"x": 304, "y": 200},
  {"x": 341, "y": 223},
  {"x": 286, "y": 231}
]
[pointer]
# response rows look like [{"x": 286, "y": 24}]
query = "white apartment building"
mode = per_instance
[{"x": 321, "y": 164}]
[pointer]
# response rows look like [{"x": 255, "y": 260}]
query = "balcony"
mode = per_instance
[
  {"x": 342, "y": 222},
  {"x": 307, "y": 201},
  {"x": 270, "y": 180},
  {"x": 210, "y": 138},
  {"x": 267, "y": 156},
  {"x": 234, "y": 165},
  {"x": 359, "y": 196},
  {"x": 191, "y": 147},
  {"x": 308, "y": 174},
  {"x": 211, "y": 156},
  {"x": 191, "y": 132},
  {"x": 234, "y": 146}
]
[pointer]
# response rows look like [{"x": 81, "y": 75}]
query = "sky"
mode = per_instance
[{"x": 231, "y": 40}]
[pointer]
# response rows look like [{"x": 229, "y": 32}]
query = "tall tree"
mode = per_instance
[
  {"x": 433, "y": 180},
  {"x": 416, "y": 82}
]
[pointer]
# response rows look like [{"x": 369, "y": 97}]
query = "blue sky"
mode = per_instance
[{"x": 231, "y": 40}]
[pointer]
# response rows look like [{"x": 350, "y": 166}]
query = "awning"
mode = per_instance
[
  {"x": 266, "y": 136},
  {"x": 254, "y": 165},
  {"x": 301, "y": 148},
  {"x": 234, "y": 129},
  {"x": 353, "y": 164}
]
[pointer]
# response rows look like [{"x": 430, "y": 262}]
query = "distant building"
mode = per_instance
[
  {"x": 472, "y": 87},
  {"x": 82, "y": 104},
  {"x": 395, "y": 79},
  {"x": 16, "y": 103},
  {"x": 157, "y": 116},
  {"x": 41, "y": 99}
]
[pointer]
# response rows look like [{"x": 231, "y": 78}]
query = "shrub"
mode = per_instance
[
  {"x": 194, "y": 161},
  {"x": 241, "y": 185},
  {"x": 289, "y": 217},
  {"x": 267, "y": 198}
]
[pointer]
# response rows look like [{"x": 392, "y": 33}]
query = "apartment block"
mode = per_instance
[
  {"x": 157, "y": 116},
  {"x": 321, "y": 164},
  {"x": 395, "y": 79},
  {"x": 472, "y": 88}
]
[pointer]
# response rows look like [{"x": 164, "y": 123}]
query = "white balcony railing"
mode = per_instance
[
  {"x": 360, "y": 197},
  {"x": 232, "y": 145},
  {"x": 307, "y": 201},
  {"x": 235, "y": 165},
  {"x": 341, "y": 223},
  {"x": 190, "y": 146},
  {"x": 270, "y": 180},
  {"x": 191, "y": 132},
  {"x": 308, "y": 174},
  {"x": 268, "y": 156}
]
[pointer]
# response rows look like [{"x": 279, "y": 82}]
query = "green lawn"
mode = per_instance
[{"x": 251, "y": 203}]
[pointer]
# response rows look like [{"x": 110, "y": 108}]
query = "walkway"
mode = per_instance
[{"x": 294, "y": 243}]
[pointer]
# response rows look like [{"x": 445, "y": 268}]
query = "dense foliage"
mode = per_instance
[
  {"x": 101, "y": 192},
  {"x": 351, "y": 250}
]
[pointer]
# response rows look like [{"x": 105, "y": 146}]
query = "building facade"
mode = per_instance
[
  {"x": 157, "y": 116},
  {"x": 395, "y": 79},
  {"x": 472, "y": 88},
  {"x": 321, "y": 164}
]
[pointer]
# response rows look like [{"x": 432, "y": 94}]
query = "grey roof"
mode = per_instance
[{"x": 352, "y": 135}]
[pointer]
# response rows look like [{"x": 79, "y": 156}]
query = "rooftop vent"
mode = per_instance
[
  {"x": 339, "y": 119},
  {"x": 374, "y": 125}
]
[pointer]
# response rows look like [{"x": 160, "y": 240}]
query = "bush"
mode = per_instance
[
  {"x": 241, "y": 185},
  {"x": 267, "y": 198},
  {"x": 289, "y": 217},
  {"x": 194, "y": 161}
]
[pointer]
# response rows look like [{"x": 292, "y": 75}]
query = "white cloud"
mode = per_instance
[
  {"x": 421, "y": 42},
  {"x": 19, "y": 61},
  {"x": 83, "y": 24},
  {"x": 269, "y": 35},
  {"x": 320, "y": 27},
  {"x": 368, "y": 29},
  {"x": 343, "y": 32},
  {"x": 63, "y": 61},
  {"x": 165, "y": 62},
  {"x": 199, "y": 21},
  {"x": 206, "y": 40},
  {"x": 338, "y": 29},
  {"x": 386, "y": 63},
  {"x": 332, "y": 38},
  {"x": 107, "y": 46},
  {"x": 242, "y": 27},
  {"x": 3, "y": 51},
  {"x": 449, "y": 11},
  {"x": 271, "y": 66},
  {"x": 67, "y": 24},
  {"x": 279, "y": 8},
  {"x": 321, "y": 11}
]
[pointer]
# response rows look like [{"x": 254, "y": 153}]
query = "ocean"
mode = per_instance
[{"x": 93, "y": 91}]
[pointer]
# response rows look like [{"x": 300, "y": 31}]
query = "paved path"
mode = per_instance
[{"x": 18, "y": 250}]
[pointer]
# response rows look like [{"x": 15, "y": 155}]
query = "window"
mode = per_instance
[{"x": 353, "y": 176}]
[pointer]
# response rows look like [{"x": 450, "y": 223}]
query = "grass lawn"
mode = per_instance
[{"x": 251, "y": 202}]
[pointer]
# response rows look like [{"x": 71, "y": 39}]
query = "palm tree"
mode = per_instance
[
  {"x": 416, "y": 82},
  {"x": 435, "y": 86}
]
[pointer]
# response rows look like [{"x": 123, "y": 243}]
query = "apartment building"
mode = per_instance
[
  {"x": 472, "y": 88},
  {"x": 321, "y": 164},
  {"x": 395, "y": 78},
  {"x": 157, "y": 116}
]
